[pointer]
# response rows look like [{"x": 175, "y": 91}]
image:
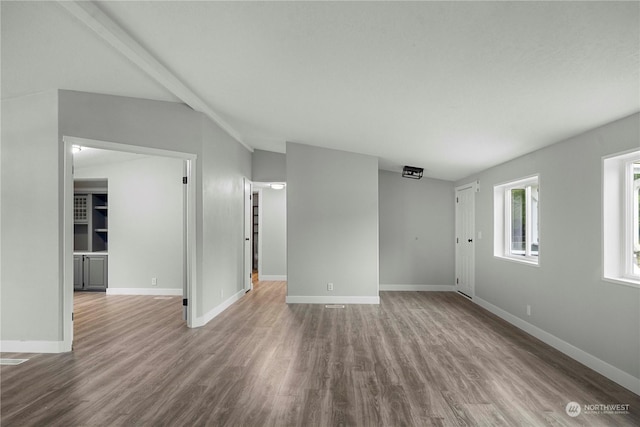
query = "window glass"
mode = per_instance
[
  {"x": 534, "y": 240},
  {"x": 518, "y": 221},
  {"x": 516, "y": 232}
]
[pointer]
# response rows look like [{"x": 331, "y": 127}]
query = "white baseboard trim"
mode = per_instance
[
  {"x": 211, "y": 314},
  {"x": 272, "y": 277},
  {"x": 33, "y": 346},
  {"x": 626, "y": 380},
  {"x": 143, "y": 291},
  {"x": 420, "y": 288},
  {"x": 332, "y": 300}
]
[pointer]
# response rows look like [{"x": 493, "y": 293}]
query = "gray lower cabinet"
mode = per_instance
[
  {"x": 90, "y": 272},
  {"x": 78, "y": 275}
]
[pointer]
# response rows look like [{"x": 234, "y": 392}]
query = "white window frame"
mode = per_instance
[
  {"x": 633, "y": 223},
  {"x": 502, "y": 220},
  {"x": 631, "y": 271},
  {"x": 620, "y": 218}
]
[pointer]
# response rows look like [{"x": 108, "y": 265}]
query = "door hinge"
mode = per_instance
[
  {"x": 184, "y": 179},
  {"x": 72, "y": 317},
  {"x": 457, "y": 240},
  {"x": 457, "y": 281},
  {"x": 457, "y": 200},
  {"x": 185, "y": 302}
]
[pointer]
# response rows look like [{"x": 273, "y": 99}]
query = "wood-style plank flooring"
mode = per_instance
[{"x": 417, "y": 359}]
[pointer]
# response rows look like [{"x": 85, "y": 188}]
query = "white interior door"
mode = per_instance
[
  {"x": 248, "y": 235},
  {"x": 465, "y": 239}
]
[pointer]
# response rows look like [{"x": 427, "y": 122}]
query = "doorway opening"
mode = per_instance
[
  {"x": 269, "y": 232},
  {"x": 146, "y": 236},
  {"x": 255, "y": 228},
  {"x": 90, "y": 227}
]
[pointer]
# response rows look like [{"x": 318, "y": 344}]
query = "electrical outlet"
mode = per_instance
[
  {"x": 154, "y": 281},
  {"x": 329, "y": 286},
  {"x": 528, "y": 310}
]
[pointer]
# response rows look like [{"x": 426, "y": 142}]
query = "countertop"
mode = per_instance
[{"x": 90, "y": 253}]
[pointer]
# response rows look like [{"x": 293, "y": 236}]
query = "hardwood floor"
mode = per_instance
[{"x": 417, "y": 359}]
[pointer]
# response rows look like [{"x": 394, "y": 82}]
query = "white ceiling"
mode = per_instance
[
  {"x": 454, "y": 87},
  {"x": 90, "y": 157},
  {"x": 44, "y": 48}
]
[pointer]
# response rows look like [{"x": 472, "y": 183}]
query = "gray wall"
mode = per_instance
[
  {"x": 332, "y": 223},
  {"x": 145, "y": 221},
  {"x": 417, "y": 222},
  {"x": 221, "y": 165},
  {"x": 225, "y": 164},
  {"x": 156, "y": 124},
  {"x": 32, "y": 196},
  {"x": 568, "y": 297},
  {"x": 31, "y": 220},
  {"x": 268, "y": 166},
  {"x": 273, "y": 234}
]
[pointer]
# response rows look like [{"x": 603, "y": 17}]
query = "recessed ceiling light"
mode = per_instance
[{"x": 277, "y": 186}]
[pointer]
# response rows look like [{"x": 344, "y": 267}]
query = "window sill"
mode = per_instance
[
  {"x": 533, "y": 263},
  {"x": 634, "y": 283}
]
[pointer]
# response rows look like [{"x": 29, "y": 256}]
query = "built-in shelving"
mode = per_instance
[
  {"x": 91, "y": 216},
  {"x": 90, "y": 235}
]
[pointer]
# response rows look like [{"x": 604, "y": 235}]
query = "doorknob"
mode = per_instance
[
  {"x": 470, "y": 240},
  {"x": 247, "y": 239}
]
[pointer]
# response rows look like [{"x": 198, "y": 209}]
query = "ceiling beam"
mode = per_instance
[{"x": 90, "y": 15}]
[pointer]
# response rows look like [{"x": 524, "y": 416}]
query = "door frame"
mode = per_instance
[
  {"x": 472, "y": 281},
  {"x": 248, "y": 235},
  {"x": 189, "y": 219},
  {"x": 258, "y": 191}
]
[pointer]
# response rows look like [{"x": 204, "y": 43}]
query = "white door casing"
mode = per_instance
[
  {"x": 465, "y": 239},
  {"x": 185, "y": 245},
  {"x": 248, "y": 235}
]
